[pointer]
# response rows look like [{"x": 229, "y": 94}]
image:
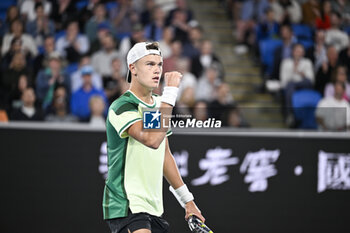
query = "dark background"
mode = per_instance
[{"x": 51, "y": 183}]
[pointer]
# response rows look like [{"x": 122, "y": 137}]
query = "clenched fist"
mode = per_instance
[{"x": 172, "y": 79}]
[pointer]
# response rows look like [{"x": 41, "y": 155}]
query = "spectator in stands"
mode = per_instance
[
  {"x": 72, "y": 45},
  {"x": 16, "y": 94},
  {"x": 102, "y": 31},
  {"x": 84, "y": 67},
  {"x": 86, "y": 13},
  {"x": 200, "y": 110},
  {"x": 222, "y": 103},
  {"x": 180, "y": 26},
  {"x": 49, "y": 47},
  {"x": 296, "y": 73},
  {"x": 207, "y": 84},
  {"x": 182, "y": 6},
  {"x": 188, "y": 79},
  {"x": 59, "y": 108},
  {"x": 16, "y": 47},
  {"x": 323, "y": 20},
  {"x": 48, "y": 78},
  {"x": 154, "y": 29},
  {"x": 252, "y": 12},
  {"x": 310, "y": 10},
  {"x": 340, "y": 75},
  {"x": 101, "y": 60},
  {"x": 123, "y": 17},
  {"x": 206, "y": 58},
  {"x": 268, "y": 28},
  {"x": 146, "y": 14},
  {"x": 233, "y": 9},
  {"x": 186, "y": 101},
  {"x": 318, "y": 52},
  {"x": 324, "y": 73},
  {"x": 11, "y": 82},
  {"x": 16, "y": 30},
  {"x": 286, "y": 11},
  {"x": 99, "y": 17},
  {"x": 335, "y": 36},
  {"x": 138, "y": 35},
  {"x": 165, "y": 42},
  {"x": 191, "y": 48},
  {"x": 116, "y": 84},
  {"x": 234, "y": 118},
  {"x": 169, "y": 64},
  {"x": 97, "y": 109},
  {"x": 28, "y": 9},
  {"x": 41, "y": 26},
  {"x": 333, "y": 112},
  {"x": 344, "y": 59},
  {"x": 343, "y": 7},
  {"x": 63, "y": 11},
  {"x": 28, "y": 111},
  {"x": 80, "y": 99},
  {"x": 12, "y": 14},
  {"x": 285, "y": 51},
  {"x": 139, "y": 6}
]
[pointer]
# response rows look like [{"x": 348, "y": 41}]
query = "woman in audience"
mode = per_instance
[
  {"x": 41, "y": 26},
  {"x": 323, "y": 21},
  {"x": 72, "y": 45},
  {"x": 12, "y": 14},
  {"x": 17, "y": 30},
  {"x": 28, "y": 111},
  {"x": 340, "y": 75},
  {"x": 15, "y": 78},
  {"x": 59, "y": 109}
]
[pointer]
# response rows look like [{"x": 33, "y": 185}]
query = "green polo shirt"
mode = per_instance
[{"x": 135, "y": 171}]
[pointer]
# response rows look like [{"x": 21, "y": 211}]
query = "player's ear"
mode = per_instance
[{"x": 133, "y": 69}]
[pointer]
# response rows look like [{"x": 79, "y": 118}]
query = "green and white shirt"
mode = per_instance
[{"x": 135, "y": 171}]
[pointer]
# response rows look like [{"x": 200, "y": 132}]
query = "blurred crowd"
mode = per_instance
[
  {"x": 65, "y": 60},
  {"x": 303, "y": 47}
]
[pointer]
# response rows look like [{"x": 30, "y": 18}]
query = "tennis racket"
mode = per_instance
[{"x": 197, "y": 226}]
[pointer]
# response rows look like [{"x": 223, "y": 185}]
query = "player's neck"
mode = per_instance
[{"x": 142, "y": 93}]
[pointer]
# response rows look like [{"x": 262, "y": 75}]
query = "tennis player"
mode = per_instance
[{"x": 138, "y": 159}]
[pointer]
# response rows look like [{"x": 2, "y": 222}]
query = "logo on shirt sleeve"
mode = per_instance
[{"x": 151, "y": 119}]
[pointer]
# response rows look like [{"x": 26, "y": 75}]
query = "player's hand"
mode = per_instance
[
  {"x": 172, "y": 79},
  {"x": 191, "y": 208}
]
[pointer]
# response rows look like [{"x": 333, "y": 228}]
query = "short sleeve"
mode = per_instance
[
  {"x": 169, "y": 132},
  {"x": 124, "y": 116}
]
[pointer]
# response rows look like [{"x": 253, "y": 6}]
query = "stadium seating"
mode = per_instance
[
  {"x": 4, "y": 5},
  {"x": 306, "y": 43},
  {"x": 304, "y": 103},
  {"x": 267, "y": 49},
  {"x": 302, "y": 32}
]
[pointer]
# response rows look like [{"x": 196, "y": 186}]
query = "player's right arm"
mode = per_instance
[{"x": 154, "y": 138}]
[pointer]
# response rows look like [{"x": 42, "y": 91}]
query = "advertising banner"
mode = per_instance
[{"x": 52, "y": 181}]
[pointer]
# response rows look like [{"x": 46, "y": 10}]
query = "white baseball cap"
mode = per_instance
[{"x": 138, "y": 51}]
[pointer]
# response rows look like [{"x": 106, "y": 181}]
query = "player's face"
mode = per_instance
[{"x": 148, "y": 71}]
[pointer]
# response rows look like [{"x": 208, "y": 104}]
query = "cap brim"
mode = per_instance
[{"x": 128, "y": 76}]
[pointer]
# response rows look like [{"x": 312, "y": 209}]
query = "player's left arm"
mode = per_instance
[{"x": 172, "y": 175}]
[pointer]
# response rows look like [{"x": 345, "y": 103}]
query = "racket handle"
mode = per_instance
[{"x": 197, "y": 226}]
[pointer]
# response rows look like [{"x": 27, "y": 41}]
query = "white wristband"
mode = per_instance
[
  {"x": 169, "y": 95},
  {"x": 182, "y": 195}
]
